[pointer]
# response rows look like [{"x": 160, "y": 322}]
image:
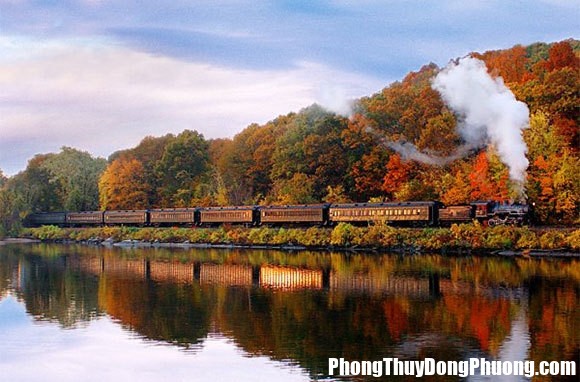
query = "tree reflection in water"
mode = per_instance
[{"x": 308, "y": 306}]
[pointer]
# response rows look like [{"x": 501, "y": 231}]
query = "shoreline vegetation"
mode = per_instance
[{"x": 457, "y": 239}]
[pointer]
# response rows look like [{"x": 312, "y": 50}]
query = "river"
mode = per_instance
[{"x": 81, "y": 313}]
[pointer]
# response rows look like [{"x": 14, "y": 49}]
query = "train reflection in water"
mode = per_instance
[{"x": 263, "y": 276}]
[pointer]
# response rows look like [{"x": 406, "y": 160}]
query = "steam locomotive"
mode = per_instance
[{"x": 409, "y": 214}]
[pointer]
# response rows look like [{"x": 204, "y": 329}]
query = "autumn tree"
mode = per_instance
[
  {"x": 368, "y": 173},
  {"x": 149, "y": 152},
  {"x": 397, "y": 174},
  {"x": 247, "y": 165},
  {"x": 481, "y": 188},
  {"x": 296, "y": 190},
  {"x": 455, "y": 189},
  {"x": 561, "y": 55},
  {"x": 439, "y": 134},
  {"x": 311, "y": 145},
  {"x": 336, "y": 194},
  {"x": 122, "y": 186},
  {"x": 511, "y": 64},
  {"x": 366, "y": 157}
]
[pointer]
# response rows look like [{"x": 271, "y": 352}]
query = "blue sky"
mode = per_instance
[{"x": 99, "y": 75}]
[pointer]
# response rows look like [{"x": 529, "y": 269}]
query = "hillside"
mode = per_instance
[{"x": 403, "y": 143}]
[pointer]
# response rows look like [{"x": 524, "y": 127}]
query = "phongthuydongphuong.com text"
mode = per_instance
[{"x": 464, "y": 368}]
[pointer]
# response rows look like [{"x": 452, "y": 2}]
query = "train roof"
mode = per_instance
[
  {"x": 122, "y": 211},
  {"x": 294, "y": 206},
  {"x": 181, "y": 209},
  {"x": 228, "y": 208},
  {"x": 384, "y": 204}
]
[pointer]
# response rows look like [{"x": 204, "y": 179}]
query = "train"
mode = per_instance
[{"x": 408, "y": 214}]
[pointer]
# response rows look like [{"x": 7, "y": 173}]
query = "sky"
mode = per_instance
[{"x": 100, "y": 75}]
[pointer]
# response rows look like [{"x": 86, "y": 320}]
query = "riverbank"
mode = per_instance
[
  {"x": 17, "y": 240},
  {"x": 508, "y": 241}
]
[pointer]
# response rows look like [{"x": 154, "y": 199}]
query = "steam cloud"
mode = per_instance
[
  {"x": 489, "y": 110},
  {"x": 488, "y": 114}
]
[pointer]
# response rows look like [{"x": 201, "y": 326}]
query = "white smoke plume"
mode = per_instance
[
  {"x": 488, "y": 111},
  {"x": 409, "y": 151}
]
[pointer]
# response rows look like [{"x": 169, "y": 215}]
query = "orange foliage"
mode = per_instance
[
  {"x": 368, "y": 172},
  {"x": 510, "y": 64},
  {"x": 459, "y": 191},
  {"x": 397, "y": 173},
  {"x": 122, "y": 185},
  {"x": 481, "y": 188}
]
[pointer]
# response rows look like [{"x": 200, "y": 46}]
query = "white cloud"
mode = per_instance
[
  {"x": 103, "y": 97},
  {"x": 104, "y": 351}
]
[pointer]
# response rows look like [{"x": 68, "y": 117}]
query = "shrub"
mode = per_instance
[
  {"x": 315, "y": 236},
  {"x": 435, "y": 239},
  {"x": 238, "y": 235},
  {"x": 218, "y": 236},
  {"x": 48, "y": 232},
  {"x": 573, "y": 240},
  {"x": 500, "y": 237},
  {"x": 552, "y": 240},
  {"x": 262, "y": 235},
  {"x": 343, "y": 234},
  {"x": 527, "y": 239},
  {"x": 468, "y": 235}
]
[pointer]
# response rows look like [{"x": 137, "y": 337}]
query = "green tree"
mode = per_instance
[
  {"x": 76, "y": 175},
  {"x": 3, "y": 178},
  {"x": 184, "y": 161},
  {"x": 312, "y": 145},
  {"x": 296, "y": 190}
]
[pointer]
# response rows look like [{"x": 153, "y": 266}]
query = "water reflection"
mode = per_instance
[{"x": 289, "y": 312}]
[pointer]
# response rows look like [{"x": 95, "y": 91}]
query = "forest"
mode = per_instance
[{"x": 315, "y": 155}]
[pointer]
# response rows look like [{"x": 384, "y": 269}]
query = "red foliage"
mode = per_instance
[
  {"x": 561, "y": 55},
  {"x": 397, "y": 174}
]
